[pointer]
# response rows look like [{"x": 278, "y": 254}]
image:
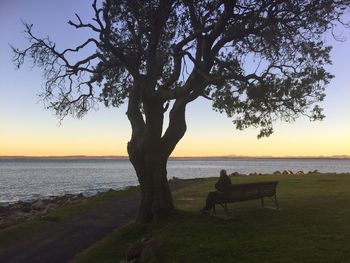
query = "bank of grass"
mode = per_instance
[
  {"x": 17, "y": 231},
  {"x": 312, "y": 226},
  {"x": 68, "y": 211}
]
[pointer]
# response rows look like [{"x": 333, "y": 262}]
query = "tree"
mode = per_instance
[{"x": 160, "y": 55}]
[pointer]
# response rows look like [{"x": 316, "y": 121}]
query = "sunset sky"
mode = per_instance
[{"x": 26, "y": 128}]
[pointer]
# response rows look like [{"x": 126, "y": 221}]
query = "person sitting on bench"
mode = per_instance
[{"x": 222, "y": 186}]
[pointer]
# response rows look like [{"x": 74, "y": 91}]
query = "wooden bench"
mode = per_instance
[{"x": 250, "y": 191}]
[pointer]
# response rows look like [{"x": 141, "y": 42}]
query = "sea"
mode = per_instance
[{"x": 30, "y": 179}]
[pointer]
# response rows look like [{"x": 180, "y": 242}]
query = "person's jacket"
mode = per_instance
[{"x": 223, "y": 184}]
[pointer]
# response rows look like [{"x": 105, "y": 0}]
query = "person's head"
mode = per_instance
[{"x": 223, "y": 173}]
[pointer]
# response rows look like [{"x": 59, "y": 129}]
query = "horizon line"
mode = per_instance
[{"x": 81, "y": 156}]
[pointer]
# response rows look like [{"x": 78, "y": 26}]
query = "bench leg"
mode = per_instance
[
  {"x": 224, "y": 206},
  {"x": 274, "y": 199},
  {"x": 276, "y": 202}
]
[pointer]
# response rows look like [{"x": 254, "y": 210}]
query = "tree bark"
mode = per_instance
[
  {"x": 156, "y": 200},
  {"x": 149, "y": 152}
]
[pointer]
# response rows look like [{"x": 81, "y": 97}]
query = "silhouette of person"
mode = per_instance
[{"x": 222, "y": 186}]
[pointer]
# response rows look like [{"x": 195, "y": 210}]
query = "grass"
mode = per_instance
[
  {"x": 312, "y": 226},
  {"x": 74, "y": 209},
  {"x": 17, "y": 231}
]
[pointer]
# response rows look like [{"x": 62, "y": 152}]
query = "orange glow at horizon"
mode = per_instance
[{"x": 219, "y": 143}]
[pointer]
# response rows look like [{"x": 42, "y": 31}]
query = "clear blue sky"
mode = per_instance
[{"x": 27, "y": 129}]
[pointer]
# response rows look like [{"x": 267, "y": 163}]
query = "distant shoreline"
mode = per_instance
[{"x": 120, "y": 157}]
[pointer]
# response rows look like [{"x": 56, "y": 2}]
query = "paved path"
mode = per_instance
[{"x": 58, "y": 242}]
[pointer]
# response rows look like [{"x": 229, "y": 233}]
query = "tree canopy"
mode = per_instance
[
  {"x": 171, "y": 41},
  {"x": 258, "y": 61}
]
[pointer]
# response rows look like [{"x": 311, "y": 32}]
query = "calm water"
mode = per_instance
[{"x": 31, "y": 179}]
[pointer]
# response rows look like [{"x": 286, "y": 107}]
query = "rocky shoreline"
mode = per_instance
[{"x": 24, "y": 211}]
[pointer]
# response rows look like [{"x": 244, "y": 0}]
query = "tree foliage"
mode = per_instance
[
  {"x": 258, "y": 61},
  {"x": 157, "y": 39},
  {"x": 218, "y": 40}
]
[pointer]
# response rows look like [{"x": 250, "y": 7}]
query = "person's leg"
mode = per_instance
[{"x": 211, "y": 199}]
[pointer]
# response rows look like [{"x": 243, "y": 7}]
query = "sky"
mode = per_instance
[{"x": 26, "y": 128}]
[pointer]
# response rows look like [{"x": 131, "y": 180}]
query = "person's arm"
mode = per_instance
[{"x": 219, "y": 185}]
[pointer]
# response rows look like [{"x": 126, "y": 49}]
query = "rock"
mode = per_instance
[
  {"x": 313, "y": 172},
  {"x": 14, "y": 218},
  {"x": 277, "y": 173},
  {"x": 25, "y": 208},
  {"x": 134, "y": 251},
  {"x": 149, "y": 248},
  {"x": 22, "y": 211},
  {"x": 300, "y": 173},
  {"x": 60, "y": 202},
  {"x": 38, "y": 205},
  {"x": 142, "y": 251},
  {"x": 76, "y": 201},
  {"x": 20, "y": 206},
  {"x": 50, "y": 207},
  {"x": 4, "y": 209}
]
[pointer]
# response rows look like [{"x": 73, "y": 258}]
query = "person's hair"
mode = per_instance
[{"x": 223, "y": 172}]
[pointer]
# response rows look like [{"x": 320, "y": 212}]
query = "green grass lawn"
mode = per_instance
[{"x": 313, "y": 225}]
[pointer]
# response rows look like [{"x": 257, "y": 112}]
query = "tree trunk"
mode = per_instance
[
  {"x": 149, "y": 152},
  {"x": 156, "y": 200}
]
